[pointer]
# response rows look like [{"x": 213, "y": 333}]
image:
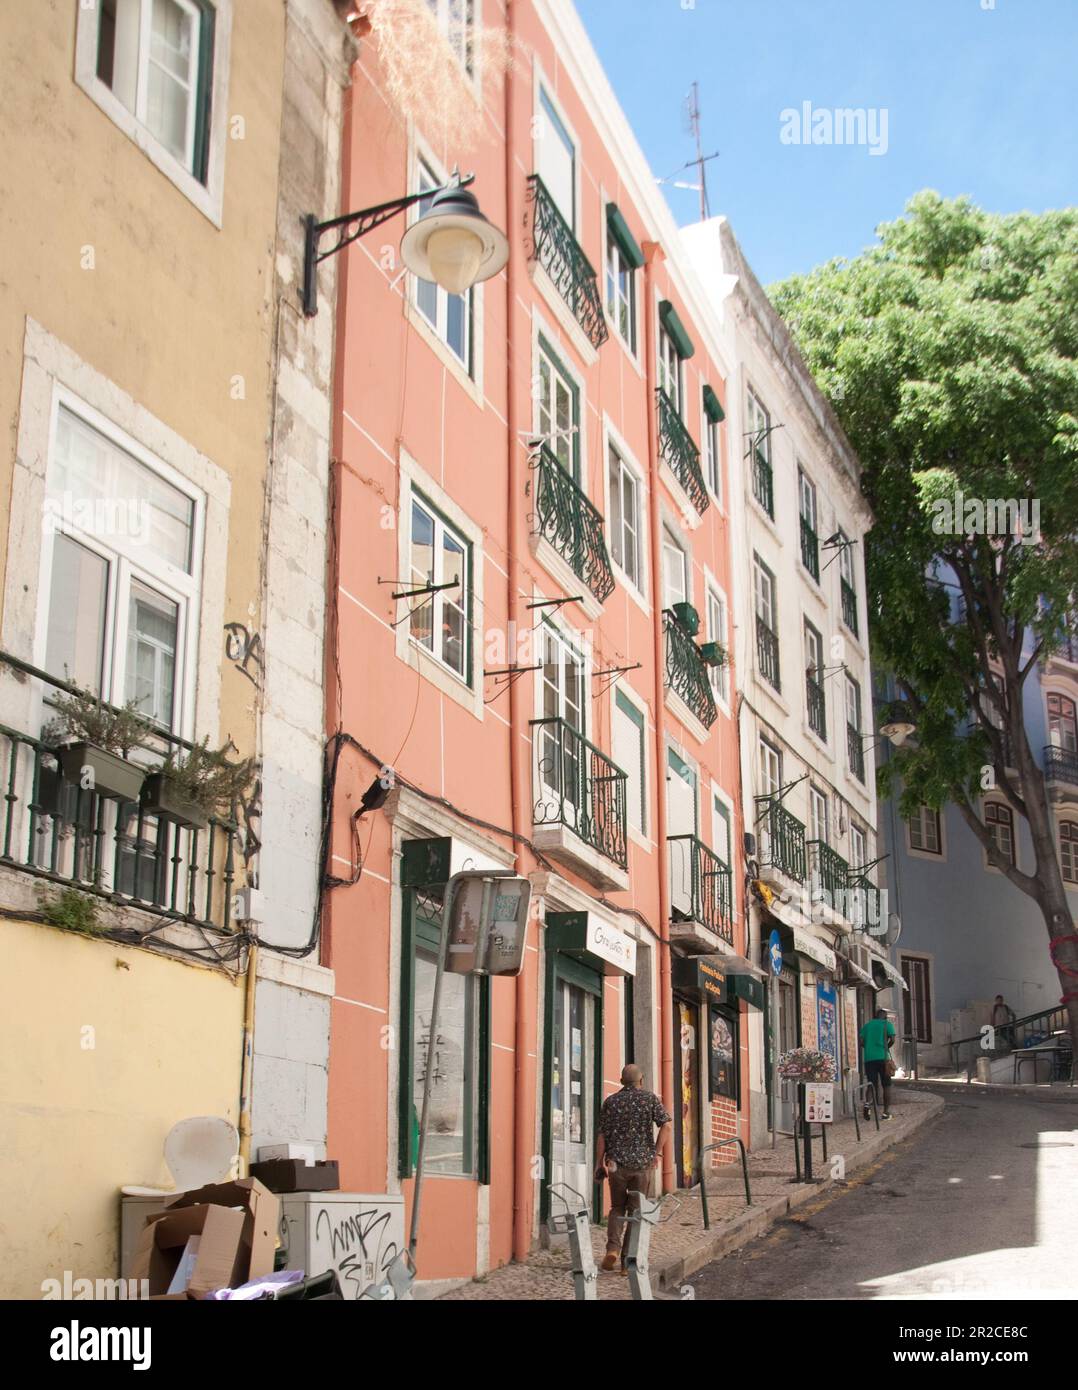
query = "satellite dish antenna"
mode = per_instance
[{"x": 894, "y": 929}]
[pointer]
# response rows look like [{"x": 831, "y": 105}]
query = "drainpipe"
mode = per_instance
[
  {"x": 247, "y": 1065},
  {"x": 525, "y": 985},
  {"x": 652, "y": 252}
]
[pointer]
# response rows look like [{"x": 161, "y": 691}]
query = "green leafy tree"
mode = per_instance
[{"x": 948, "y": 351}]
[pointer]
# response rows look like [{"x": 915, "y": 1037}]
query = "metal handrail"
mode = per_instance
[
  {"x": 786, "y": 839},
  {"x": 767, "y": 651},
  {"x": 810, "y": 549},
  {"x": 849, "y": 606},
  {"x": 1060, "y": 765},
  {"x": 678, "y": 448},
  {"x": 686, "y": 674},
  {"x": 1055, "y": 1018},
  {"x": 571, "y": 522},
  {"x": 557, "y": 250},
  {"x": 763, "y": 487},
  {"x": 580, "y": 788},
  {"x": 711, "y": 887},
  {"x": 816, "y": 701},
  {"x": 699, "y": 1168}
]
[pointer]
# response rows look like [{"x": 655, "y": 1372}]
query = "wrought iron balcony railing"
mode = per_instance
[
  {"x": 783, "y": 838},
  {"x": 568, "y": 519},
  {"x": 810, "y": 550},
  {"x": 817, "y": 706},
  {"x": 677, "y": 447},
  {"x": 58, "y": 831},
  {"x": 829, "y": 872},
  {"x": 701, "y": 885},
  {"x": 763, "y": 488},
  {"x": 581, "y": 788},
  {"x": 856, "y": 746},
  {"x": 1061, "y": 765},
  {"x": 767, "y": 653},
  {"x": 849, "y": 606},
  {"x": 686, "y": 673},
  {"x": 557, "y": 250}
]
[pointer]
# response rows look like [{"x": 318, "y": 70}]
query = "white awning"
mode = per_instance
[
  {"x": 858, "y": 973},
  {"x": 805, "y": 945},
  {"x": 891, "y": 971}
]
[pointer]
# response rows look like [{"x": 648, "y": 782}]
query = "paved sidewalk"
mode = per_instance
[{"x": 680, "y": 1245}]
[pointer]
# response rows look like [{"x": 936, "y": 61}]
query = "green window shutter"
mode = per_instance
[
  {"x": 673, "y": 325},
  {"x": 619, "y": 230},
  {"x": 713, "y": 405}
]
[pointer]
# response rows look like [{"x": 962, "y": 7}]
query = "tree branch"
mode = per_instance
[{"x": 1025, "y": 882}]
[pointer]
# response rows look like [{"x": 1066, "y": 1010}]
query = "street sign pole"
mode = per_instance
[{"x": 774, "y": 954}]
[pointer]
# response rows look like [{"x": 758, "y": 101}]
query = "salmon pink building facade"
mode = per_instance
[{"x": 530, "y": 637}]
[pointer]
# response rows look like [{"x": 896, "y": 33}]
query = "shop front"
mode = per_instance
[
  {"x": 706, "y": 1057},
  {"x": 581, "y": 951}
]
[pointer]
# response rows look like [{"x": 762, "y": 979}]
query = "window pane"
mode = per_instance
[
  {"x": 422, "y": 619},
  {"x": 616, "y": 550},
  {"x": 107, "y": 492},
  {"x": 171, "y": 77},
  {"x": 78, "y": 592},
  {"x": 449, "y": 1138},
  {"x": 153, "y": 625},
  {"x": 557, "y": 161}
]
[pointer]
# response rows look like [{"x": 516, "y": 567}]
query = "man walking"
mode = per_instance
[
  {"x": 628, "y": 1150},
  {"x": 1003, "y": 1017},
  {"x": 877, "y": 1035}
]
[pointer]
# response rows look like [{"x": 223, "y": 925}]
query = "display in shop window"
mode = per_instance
[{"x": 723, "y": 1059}]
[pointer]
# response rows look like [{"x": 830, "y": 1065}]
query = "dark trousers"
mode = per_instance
[
  {"x": 622, "y": 1182},
  {"x": 876, "y": 1075}
]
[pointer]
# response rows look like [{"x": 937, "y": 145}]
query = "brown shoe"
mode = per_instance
[{"x": 610, "y": 1259}]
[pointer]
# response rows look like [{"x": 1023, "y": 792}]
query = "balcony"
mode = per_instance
[
  {"x": 767, "y": 653},
  {"x": 676, "y": 446},
  {"x": 782, "y": 836},
  {"x": 686, "y": 674},
  {"x": 817, "y": 707},
  {"x": 849, "y": 606},
  {"x": 1061, "y": 773},
  {"x": 557, "y": 250},
  {"x": 580, "y": 815},
  {"x": 701, "y": 896},
  {"x": 810, "y": 550},
  {"x": 856, "y": 747},
  {"x": 829, "y": 879},
  {"x": 763, "y": 488},
  {"x": 60, "y": 833},
  {"x": 567, "y": 518}
]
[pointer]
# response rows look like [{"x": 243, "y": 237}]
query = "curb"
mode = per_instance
[
  {"x": 1058, "y": 1092},
  {"x": 755, "y": 1220}
]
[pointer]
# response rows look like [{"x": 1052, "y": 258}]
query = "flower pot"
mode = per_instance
[
  {"x": 712, "y": 654},
  {"x": 110, "y": 775},
  {"x": 48, "y": 800},
  {"x": 160, "y": 798},
  {"x": 688, "y": 617}
]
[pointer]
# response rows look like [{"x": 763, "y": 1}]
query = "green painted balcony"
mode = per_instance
[
  {"x": 677, "y": 447},
  {"x": 686, "y": 674},
  {"x": 782, "y": 839},
  {"x": 701, "y": 887},
  {"x": 556, "y": 249},
  {"x": 579, "y": 789},
  {"x": 567, "y": 518},
  {"x": 828, "y": 872}
]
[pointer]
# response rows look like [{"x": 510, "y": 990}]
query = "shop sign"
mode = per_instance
[
  {"x": 827, "y": 1021},
  {"x": 806, "y": 945},
  {"x": 819, "y": 1102},
  {"x": 698, "y": 976},
  {"x": 615, "y": 947}
]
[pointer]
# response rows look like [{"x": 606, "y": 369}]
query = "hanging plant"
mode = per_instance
[{"x": 806, "y": 1064}]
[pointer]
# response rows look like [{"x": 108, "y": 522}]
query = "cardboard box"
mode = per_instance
[
  {"x": 259, "y": 1216},
  {"x": 166, "y": 1238},
  {"x": 291, "y": 1175}
]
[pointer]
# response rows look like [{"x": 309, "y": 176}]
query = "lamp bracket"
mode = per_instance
[{"x": 350, "y": 226}]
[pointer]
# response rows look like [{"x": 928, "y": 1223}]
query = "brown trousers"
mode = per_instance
[{"x": 622, "y": 1182}]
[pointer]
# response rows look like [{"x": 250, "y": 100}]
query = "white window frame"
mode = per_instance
[
  {"x": 614, "y": 264},
  {"x": 462, "y": 45},
  {"x": 437, "y": 602},
  {"x": 427, "y": 168},
  {"x": 719, "y": 798},
  {"x": 711, "y": 450},
  {"x": 758, "y": 417},
  {"x": 819, "y": 814},
  {"x": 640, "y": 834},
  {"x": 545, "y": 346},
  {"x": 718, "y": 677},
  {"x": 1071, "y": 884},
  {"x": 208, "y": 197},
  {"x": 858, "y": 856},
  {"x": 672, "y": 541},
  {"x": 765, "y": 750},
  {"x": 764, "y": 593},
  {"x": 915, "y": 850},
  {"x": 414, "y": 478},
  {"x": 671, "y": 369},
  {"x": 544, "y": 88}
]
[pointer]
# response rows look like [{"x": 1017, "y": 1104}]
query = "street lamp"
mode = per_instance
[
  {"x": 899, "y": 724},
  {"x": 452, "y": 243}
]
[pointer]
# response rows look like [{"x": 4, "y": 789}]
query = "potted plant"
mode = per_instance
[
  {"x": 806, "y": 1064},
  {"x": 191, "y": 786},
  {"x": 712, "y": 653},
  {"x": 92, "y": 741}
]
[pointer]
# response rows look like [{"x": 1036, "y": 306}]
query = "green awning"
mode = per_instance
[
  {"x": 673, "y": 325},
  {"x": 745, "y": 987},
  {"x": 713, "y": 405},
  {"x": 619, "y": 230}
]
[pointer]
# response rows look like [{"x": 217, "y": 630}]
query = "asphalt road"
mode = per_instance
[{"x": 983, "y": 1202}]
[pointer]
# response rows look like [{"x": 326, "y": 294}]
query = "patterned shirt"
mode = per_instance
[{"x": 626, "y": 1121}]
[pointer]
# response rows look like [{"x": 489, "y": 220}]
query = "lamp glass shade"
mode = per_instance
[
  {"x": 898, "y": 732},
  {"x": 455, "y": 255}
]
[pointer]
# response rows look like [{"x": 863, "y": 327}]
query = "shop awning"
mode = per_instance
[
  {"x": 806, "y": 945},
  {"x": 745, "y": 987},
  {"x": 892, "y": 972},
  {"x": 858, "y": 974}
]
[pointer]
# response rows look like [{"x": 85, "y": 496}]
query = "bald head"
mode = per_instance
[{"x": 631, "y": 1075}]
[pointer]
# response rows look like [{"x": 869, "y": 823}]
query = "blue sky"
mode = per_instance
[{"x": 978, "y": 100}]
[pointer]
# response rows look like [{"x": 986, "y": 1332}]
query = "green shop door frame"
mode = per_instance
[{"x": 561, "y": 937}]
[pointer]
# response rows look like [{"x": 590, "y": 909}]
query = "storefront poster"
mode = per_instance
[
  {"x": 723, "y": 1076},
  {"x": 819, "y": 1103},
  {"x": 827, "y": 1021}
]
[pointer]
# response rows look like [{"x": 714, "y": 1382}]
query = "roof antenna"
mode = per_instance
[{"x": 692, "y": 122}]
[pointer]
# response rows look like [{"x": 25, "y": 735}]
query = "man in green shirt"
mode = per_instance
[{"x": 877, "y": 1035}]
